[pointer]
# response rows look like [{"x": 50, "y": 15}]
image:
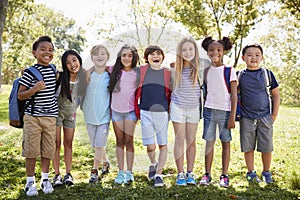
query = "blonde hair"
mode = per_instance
[
  {"x": 180, "y": 61},
  {"x": 96, "y": 49}
]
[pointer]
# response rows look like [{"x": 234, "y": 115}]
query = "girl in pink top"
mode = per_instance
[{"x": 122, "y": 86}]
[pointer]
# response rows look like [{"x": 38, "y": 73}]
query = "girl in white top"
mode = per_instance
[{"x": 219, "y": 107}]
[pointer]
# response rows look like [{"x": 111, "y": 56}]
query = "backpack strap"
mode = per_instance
[
  {"x": 227, "y": 73},
  {"x": 267, "y": 78},
  {"x": 167, "y": 84},
  {"x": 138, "y": 92}
]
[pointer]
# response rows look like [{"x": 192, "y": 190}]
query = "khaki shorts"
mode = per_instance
[{"x": 39, "y": 135}]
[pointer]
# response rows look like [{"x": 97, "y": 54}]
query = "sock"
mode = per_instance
[
  {"x": 45, "y": 176},
  {"x": 153, "y": 164},
  {"x": 30, "y": 179}
]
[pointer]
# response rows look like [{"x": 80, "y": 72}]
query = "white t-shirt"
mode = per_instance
[{"x": 217, "y": 94}]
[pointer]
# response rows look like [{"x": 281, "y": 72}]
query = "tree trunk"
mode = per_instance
[{"x": 3, "y": 12}]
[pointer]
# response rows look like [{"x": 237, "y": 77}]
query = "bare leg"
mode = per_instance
[
  {"x": 56, "y": 159},
  {"x": 68, "y": 147},
  {"x": 163, "y": 151},
  {"x": 209, "y": 154},
  {"x": 30, "y": 166},
  {"x": 129, "y": 132},
  {"x": 180, "y": 134},
  {"x": 266, "y": 159},
  {"x": 120, "y": 139},
  {"x": 191, "y": 130},
  {"x": 225, "y": 157},
  {"x": 249, "y": 159}
]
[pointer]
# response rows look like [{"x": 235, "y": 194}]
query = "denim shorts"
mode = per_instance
[
  {"x": 154, "y": 124},
  {"x": 184, "y": 115},
  {"x": 116, "y": 116},
  {"x": 212, "y": 118},
  {"x": 98, "y": 134},
  {"x": 258, "y": 131}
]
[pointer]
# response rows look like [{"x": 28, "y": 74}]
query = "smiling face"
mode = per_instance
[
  {"x": 44, "y": 53},
  {"x": 252, "y": 57},
  {"x": 188, "y": 51},
  {"x": 126, "y": 58},
  {"x": 73, "y": 64},
  {"x": 215, "y": 52},
  {"x": 100, "y": 58},
  {"x": 155, "y": 59}
]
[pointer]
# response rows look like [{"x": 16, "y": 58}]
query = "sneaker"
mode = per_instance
[
  {"x": 105, "y": 167},
  {"x": 158, "y": 181},
  {"x": 206, "y": 179},
  {"x": 129, "y": 178},
  {"x": 224, "y": 181},
  {"x": 190, "y": 178},
  {"x": 180, "y": 179},
  {"x": 152, "y": 171},
  {"x": 46, "y": 186},
  {"x": 120, "y": 177},
  {"x": 68, "y": 179},
  {"x": 267, "y": 177},
  {"x": 30, "y": 189},
  {"x": 94, "y": 176},
  {"x": 57, "y": 180},
  {"x": 250, "y": 176}
]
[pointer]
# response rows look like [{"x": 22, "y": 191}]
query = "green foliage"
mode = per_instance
[
  {"x": 293, "y": 6},
  {"x": 284, "y": 167},
  {"x": 25, "y": 23}
]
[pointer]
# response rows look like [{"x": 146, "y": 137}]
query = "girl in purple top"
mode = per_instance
[{"x": 122, "y": 87}]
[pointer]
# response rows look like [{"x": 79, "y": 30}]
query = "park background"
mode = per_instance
[{"x": 273, "y": 24}]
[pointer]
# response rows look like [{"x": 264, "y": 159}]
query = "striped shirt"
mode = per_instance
[
  {"x": 45, "y": 103},
  {"x": 186, "y": 95}
]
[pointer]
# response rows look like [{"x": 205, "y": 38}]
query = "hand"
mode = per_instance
[
  {"x": 39, "y": 86},
  {"x": 231, "y": 123}
]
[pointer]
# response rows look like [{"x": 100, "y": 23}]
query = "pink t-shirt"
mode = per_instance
[
  {"x": 217, "y": 93},
  {"x": 123, "y": 101}
]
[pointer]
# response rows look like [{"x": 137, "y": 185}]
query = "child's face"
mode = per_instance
[
  {"x": 73, "y": 64},
  {"x": 126, "y": 58},
  {"x": 44, "y": 53},
  {"x": 252, "y": 57},
  {"x": 216, "y": 52},
  {"x": 155, "y": 59},
  {"x": 100, "y": 59},
  {"x": 188, "y": 51}
]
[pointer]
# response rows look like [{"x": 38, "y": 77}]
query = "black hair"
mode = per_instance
[
  {"x": 151, "y": 49},
  {"x": 41, "y": 39},
  {"x": 114, "y": 83},
  {"x": 252, "y": 45},
  {"x": 65, "y": 76},
  {"x": 227, "y": 44}
]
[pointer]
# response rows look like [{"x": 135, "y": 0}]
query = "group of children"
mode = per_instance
[{"x": 125, "y": 93}]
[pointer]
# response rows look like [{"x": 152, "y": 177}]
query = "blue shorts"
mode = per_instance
[
  {"x": 117, "y": 116},
  {"x": 258, "y": 131},
  {"x": 212, "y": 118},
  {"x": 184, "y": 115},
  {"x": 154, "y": 124},
  {"x": 98, "y": 134}
]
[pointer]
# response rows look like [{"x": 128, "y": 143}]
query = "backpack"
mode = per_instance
[
  {"x": 138, "y": 92},
  {"x": 268, "y": 82},
  {"x": 17, "y": 107}
]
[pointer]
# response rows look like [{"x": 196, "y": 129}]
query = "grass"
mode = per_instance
[{"x": 285, "y": 166}]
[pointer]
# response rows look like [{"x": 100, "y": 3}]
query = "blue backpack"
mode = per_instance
[{"x": 17, "y": 107}]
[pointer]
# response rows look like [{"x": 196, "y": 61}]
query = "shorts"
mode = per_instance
[
  {"x": 39, "y": 136},
  {"x": 154, "y": 124},
  {"x": 258, "y": 131},
  {"x": 98, "y": 134},
  {"x": 66, "y": 118},
  {"x": 117, "y": 116},
  {"x": 184, "y": 115},
  {"x": 212, "y": 118}
]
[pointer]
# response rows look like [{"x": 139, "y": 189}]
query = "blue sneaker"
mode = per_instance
[
  {"x": 158, "y": 181},
  {"x": 251, "y": 176},
  {"x": 120, "y": 178},
  {"x": 190, "y": 179},
  {"x": 180, "y": 180},
  {"x": 224, "y": 181},
  {"x": 267, "y": 177},
  {"x": 129, "y": 178}
]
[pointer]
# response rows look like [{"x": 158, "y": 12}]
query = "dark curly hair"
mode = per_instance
[{"x": 227, "y": 44}]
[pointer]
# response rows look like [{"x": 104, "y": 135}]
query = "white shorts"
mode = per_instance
[
  {"x": 184, "y": 115},
  {"x": 98, "y": 134}
]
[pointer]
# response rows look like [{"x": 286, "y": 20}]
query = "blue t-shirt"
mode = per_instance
[
  {"x": 96, "y": 103},
  {"x": 153, "y": 96},
  {"x": 254, "y": 97}
]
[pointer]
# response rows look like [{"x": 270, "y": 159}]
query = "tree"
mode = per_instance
[
  {"x": 293, "y": 6},
  {"x": 25, "y": 25},
  {"x": 212, "y": 17}
]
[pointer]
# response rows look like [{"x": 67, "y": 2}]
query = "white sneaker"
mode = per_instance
[
  {"x": 46, "y": 186},
  {"x": 30, "y": 189}
]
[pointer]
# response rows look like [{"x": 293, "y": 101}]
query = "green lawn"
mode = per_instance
[{"x": 285, "y": 166}]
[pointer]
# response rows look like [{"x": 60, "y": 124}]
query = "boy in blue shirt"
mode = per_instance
[{"x": 258, "y": 113}]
